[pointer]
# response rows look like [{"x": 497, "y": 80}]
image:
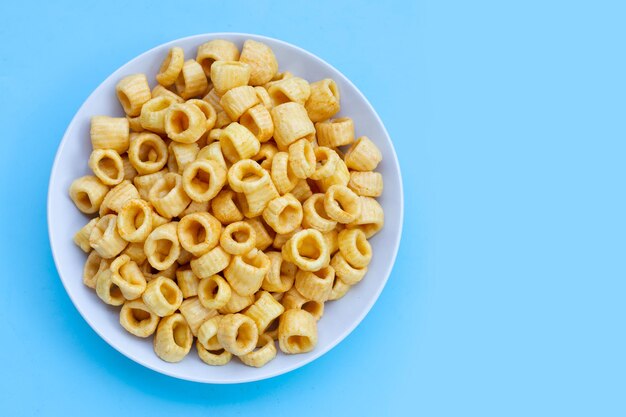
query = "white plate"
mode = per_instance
[{"x": 340, "y": 317}]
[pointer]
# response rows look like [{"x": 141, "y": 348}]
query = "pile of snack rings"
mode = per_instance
[{"x": 227, "y": 209}]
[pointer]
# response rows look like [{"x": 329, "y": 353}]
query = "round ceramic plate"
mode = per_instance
[{"x": 340, "y": 317}]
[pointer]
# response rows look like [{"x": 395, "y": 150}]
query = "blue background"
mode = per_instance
[{"x": 508, "y": 296}]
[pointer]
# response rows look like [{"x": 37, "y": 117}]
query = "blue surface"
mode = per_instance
[{"x": 507, "y": 298}]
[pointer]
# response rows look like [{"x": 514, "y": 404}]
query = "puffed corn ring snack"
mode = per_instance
[{"x": 228, "y": 205}]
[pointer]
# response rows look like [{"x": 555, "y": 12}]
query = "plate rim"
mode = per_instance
[{"x": 316, "y": 353}]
